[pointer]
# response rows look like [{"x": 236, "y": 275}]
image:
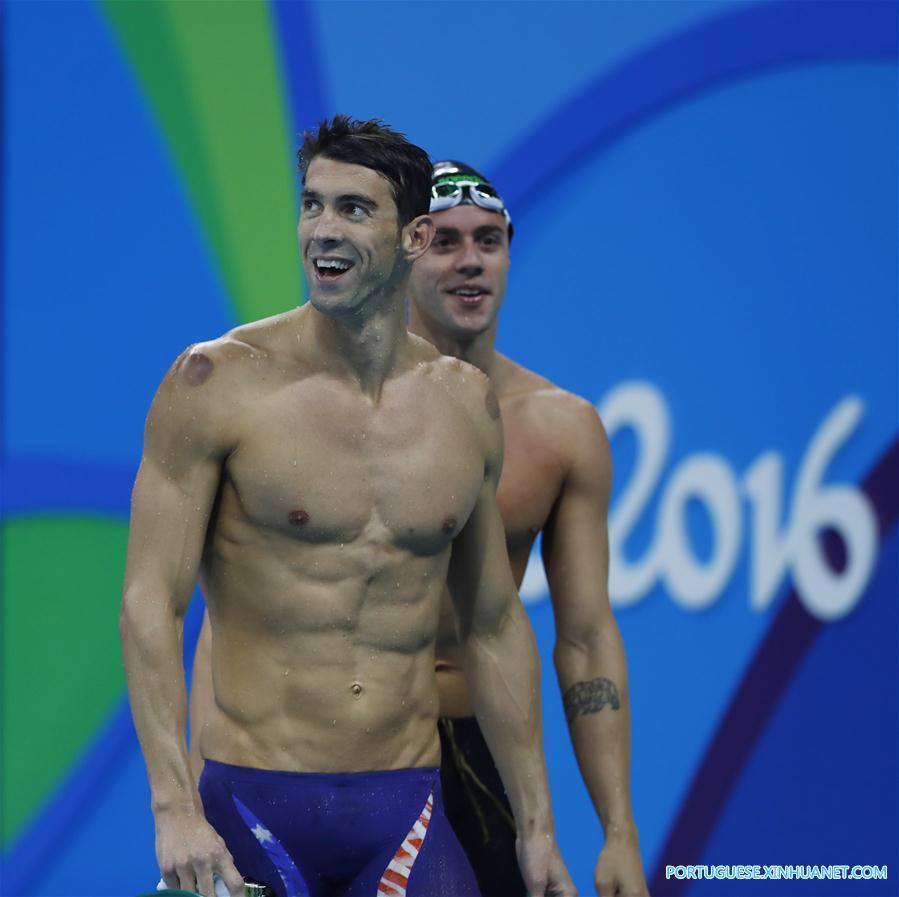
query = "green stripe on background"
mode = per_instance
[
  {"x": 210, "y": 72},
  {"x": 62, "y": 665}
]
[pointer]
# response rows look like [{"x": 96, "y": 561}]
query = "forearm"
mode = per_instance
[
  {"x": 151, "y": 646},
  {"x": 503, "y": 671},
  {"x": 592, "y": 676}
]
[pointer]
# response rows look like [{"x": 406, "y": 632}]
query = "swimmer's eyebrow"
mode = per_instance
[
  {"x": 357, "y": 198},
  {"x": 488, "y": 230}
]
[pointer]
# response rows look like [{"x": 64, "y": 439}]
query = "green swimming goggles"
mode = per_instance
[{"x": 451, "y": 190}]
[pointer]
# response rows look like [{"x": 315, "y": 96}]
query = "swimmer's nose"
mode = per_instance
[
  {"x": 327, "y": 231},
  {"x": 470, "y": 262}
]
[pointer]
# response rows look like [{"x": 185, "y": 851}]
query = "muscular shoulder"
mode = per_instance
[
  {"x": 471, "y": 389},
  {"x": 564, "y": 423},
  {"x": 209, "y": 369},
  {"x": 200, "y": 395},
  {"x": 229, "y": 366}
]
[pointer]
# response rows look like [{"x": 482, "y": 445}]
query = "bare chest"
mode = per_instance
[
  {"x": 318, "y": 466},
  {"x": 530, "y": 482}
]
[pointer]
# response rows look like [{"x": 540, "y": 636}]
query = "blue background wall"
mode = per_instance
[{"x": 704, "y": 196}]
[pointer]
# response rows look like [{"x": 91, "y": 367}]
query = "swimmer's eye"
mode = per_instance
[
  {"x": 310, "y": 205},
  {"x": 491, "y": 241},
  {"x": 354, "y": 210},
  {"x": 442, "y": 242}
]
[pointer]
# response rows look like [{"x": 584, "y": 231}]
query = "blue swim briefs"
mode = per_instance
[{"x": 359, "y": 834}]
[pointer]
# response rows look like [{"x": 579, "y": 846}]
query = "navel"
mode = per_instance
[
  {"x": 196, "y": 369},
  {"x": 356, "y": 689},
  {"x": 298, "y": 517}
]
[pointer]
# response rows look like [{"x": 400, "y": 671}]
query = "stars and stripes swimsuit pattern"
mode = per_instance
[{"x": 377, "y": 834}]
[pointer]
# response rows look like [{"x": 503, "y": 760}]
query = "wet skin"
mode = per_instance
[
  {"x": 458, "y": 288},
  {"x": 556, "y": 480},
  {"x": 318, "y": 509},
  {"x": 326, "y": 553},
  {"x": 536, "y": 418},
  {"x": 326, "y": 475}
]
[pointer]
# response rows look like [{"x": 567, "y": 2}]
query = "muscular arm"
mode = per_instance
[
  {"x": 173, "y": 496},
  {"x": 502, "y": 668},
  {"x": 589, "y": 654},
  {"x": 202, "y": 694}
]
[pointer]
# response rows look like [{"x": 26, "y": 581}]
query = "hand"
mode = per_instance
[
  {"x": 190, "y": 851},
  {"x": 619, "y": 870},
  {"x": 543, "y": 868}
]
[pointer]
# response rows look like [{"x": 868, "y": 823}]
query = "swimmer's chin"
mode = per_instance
[{"x": 333, "y": 304}]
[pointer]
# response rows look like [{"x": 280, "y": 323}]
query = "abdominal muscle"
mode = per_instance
[{"x": 335, "y": 674}]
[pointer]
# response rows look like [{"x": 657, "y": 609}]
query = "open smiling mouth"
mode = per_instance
[
  {"x": 468, "y": 295},
  {"x": 331, "y": 269}
]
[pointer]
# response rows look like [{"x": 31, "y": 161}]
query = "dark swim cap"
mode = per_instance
[{"x": 455, "y": 183}]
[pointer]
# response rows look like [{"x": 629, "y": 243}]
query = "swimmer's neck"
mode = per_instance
[
  {"x": 366, "y": 346},
  {"x": 479, "y": 350}
]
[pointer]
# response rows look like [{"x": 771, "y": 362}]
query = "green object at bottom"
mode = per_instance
[{"x": 168, "y": 892}]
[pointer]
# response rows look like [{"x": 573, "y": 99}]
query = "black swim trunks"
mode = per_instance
[{"x": 477, "y": 807}]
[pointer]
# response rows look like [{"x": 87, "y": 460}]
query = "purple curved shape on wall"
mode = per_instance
[
  {"x": 34, "y": 847},
  {"x": 773, "y": 665},
  {"x": 31, "y": 853},
  {"x": 731, "y": 46}
]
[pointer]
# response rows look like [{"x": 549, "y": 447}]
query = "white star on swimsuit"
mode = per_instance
[{"x": 262, "y": 834}]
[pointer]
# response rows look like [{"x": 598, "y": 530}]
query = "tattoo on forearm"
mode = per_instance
[{"x": 590, "y": 697}]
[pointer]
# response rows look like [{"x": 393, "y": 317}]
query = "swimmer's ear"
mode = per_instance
[{"x": 416, "y": 237}]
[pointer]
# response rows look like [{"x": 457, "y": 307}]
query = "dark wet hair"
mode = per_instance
[{"x": 373, "y": 145}]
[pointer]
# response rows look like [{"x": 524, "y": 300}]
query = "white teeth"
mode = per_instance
[
  {"x": 467, "y": 292},
  {"x": 332, "y": 263}
]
